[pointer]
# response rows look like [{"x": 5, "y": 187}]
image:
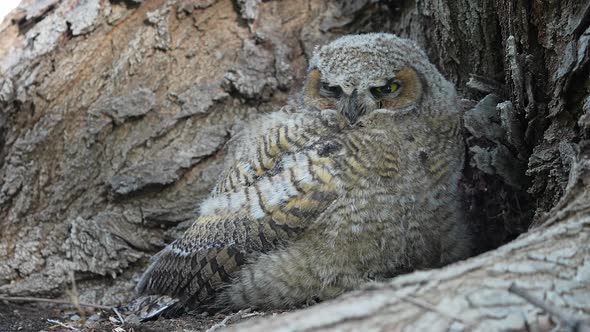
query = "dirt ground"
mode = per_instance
[
  {"x": 25, "y": 317},
  {"x": 34, "y": 317}
]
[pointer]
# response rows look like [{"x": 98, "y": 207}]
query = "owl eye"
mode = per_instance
[
  {"x": 330, "y": 91},
  {"x": 389, "y": 88}
]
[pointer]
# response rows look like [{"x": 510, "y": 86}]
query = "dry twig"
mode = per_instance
[
  {"x": 119, "y": 315},
  {"x": 53, "y": 321},
  {"x": 73, "y": 294},
  {"x": 229, "y": 319},
  {"x": 55, "y": 301},
  {"x": 572, "y": 323}
]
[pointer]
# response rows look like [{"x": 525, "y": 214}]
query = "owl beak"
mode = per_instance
[{"x": 350, "y": 108}]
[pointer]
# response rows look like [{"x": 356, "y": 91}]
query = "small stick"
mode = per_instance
[
  {"x": 73, "y": 293},
  {"x": 53, "y": 321},
  {"x": 56, "y": 301},
  {"x": 219, "y": 325},
  {"x": 229, "y": 319},
  {"x": 571, "y": 322},
  {"x": 119, "y": 315},
  {"x": 537, "y": 302}
]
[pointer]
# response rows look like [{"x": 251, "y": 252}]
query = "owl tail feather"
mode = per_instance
[{"x": 149, "y": 307}]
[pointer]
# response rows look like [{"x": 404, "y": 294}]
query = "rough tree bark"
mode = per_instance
[{"x": 116, "y": 116}]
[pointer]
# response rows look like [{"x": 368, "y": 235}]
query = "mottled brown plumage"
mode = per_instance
[{"x": 359, "y": 182}]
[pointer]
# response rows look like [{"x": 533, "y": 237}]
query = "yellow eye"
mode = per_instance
[
  {"x": 384, "y": 90},
  {"x": 393, "y": 87}
]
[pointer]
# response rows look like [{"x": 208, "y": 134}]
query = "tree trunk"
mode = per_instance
[{"x": 116, "y": 117}]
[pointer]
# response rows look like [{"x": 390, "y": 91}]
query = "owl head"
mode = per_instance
[{"x": 359, "y": 74}]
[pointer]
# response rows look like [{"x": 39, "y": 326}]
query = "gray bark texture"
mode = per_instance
[{"x": 116, "y": 117}]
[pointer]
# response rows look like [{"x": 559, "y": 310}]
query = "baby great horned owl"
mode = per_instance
[{"x": 358, "y": 182}]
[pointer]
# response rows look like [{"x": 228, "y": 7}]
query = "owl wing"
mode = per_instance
[
  {"x": 284, "y": 133},
  {"x": 260, "y": 204}
]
